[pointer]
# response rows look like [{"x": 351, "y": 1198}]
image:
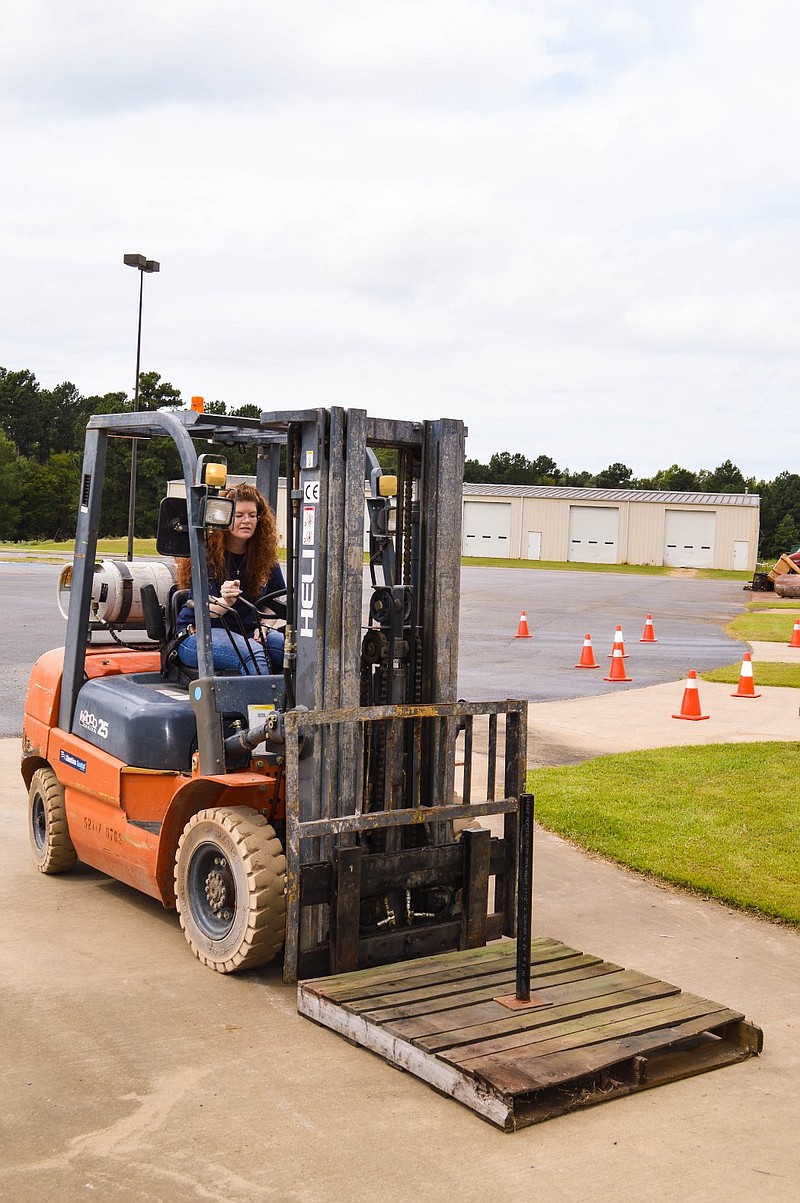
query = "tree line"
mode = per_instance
[{"x": 41, "y": 453}]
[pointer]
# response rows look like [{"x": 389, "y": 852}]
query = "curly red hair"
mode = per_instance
[{"x": 261, "y": 555}]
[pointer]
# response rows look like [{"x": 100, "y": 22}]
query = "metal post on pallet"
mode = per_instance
[{"x": 524, "y": 897}]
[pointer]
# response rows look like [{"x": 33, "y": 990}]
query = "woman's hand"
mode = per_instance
[{"x": 228, "y": 594}]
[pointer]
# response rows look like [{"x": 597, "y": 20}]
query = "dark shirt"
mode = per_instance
[{"x": 240, "y": 612}]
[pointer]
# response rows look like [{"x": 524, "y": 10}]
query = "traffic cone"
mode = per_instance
[
  {"x": 617, "y": 672},
  {"x": 746, "y": 685},
  {"x": 522, "y": 629},
  {"x": 690, "y": 706},
  {"x": 648, "y": 635},
  {"x": 795, "y": 639},
  {"x": 618, "y": 644},
  {"x": 587, "y": 659}
]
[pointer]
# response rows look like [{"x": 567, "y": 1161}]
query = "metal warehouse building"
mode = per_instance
[{"x": 611, "y": 526}]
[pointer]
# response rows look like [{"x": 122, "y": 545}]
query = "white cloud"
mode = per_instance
[{"x": 572, "y": 225}]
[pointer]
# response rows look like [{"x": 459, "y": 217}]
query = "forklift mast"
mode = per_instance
[
  {"x": 374, "y": 872},
  {"x": 414, "y": 550}
]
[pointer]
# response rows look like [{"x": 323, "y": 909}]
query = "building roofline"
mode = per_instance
[{"x": 653, "y": 496}]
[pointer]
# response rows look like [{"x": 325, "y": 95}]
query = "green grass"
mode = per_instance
[
  {"x": 111, "y": 548},
  {"x": 708, "y": 574},
  {"x": 763, "y": 627},
  {"x": 784, "y": 675},
  {"x": 776, "y": 603},
  {"x": 105, "y": 547},
  {"x": 719, "y": 819}
]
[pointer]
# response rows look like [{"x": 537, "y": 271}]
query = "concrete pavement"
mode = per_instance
[
  {"x": 568, "y": 731},
  {"x": 773, "y": 653},
  {"x": 130, "y": 1072}
]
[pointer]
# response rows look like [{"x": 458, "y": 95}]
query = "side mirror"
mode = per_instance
[{"x": 172, "y": 537}]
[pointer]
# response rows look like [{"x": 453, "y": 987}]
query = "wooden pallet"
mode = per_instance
[{"x": 593, "y": 1032}]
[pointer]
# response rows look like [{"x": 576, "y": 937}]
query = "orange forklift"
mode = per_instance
[{"x": 312, "y": 813}]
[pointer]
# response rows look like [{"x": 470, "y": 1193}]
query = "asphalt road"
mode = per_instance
[
  {"x": 688, "y": 616},
  {"x": 561, "y": 607},
  {"x": 30, "y": 624}
]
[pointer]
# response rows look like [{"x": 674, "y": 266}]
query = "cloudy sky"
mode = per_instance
[{"x": 572, "y": 224}]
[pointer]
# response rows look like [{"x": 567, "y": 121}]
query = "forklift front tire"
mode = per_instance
[
  {"x": 53, "y": 849},
  {"x": 230, "y": 888}
]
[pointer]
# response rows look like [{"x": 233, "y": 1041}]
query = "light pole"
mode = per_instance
[{"x": 142, "y": 264}]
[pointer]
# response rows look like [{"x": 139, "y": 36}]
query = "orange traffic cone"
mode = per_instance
[
  {"x": 617, "y": 644},
  {"x": 587, "y": 655},
  {"x": 746, "y": 684},
  {"x": 649, "y": 635},
  {"x": 795, "y": 639},
  {"x": 522, "y": 629},
  {"x": 690, "y": 706},
  {"x": 617, "y": 672}
]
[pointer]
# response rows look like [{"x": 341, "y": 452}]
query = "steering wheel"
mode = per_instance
[{"x": 277, "y": 608}]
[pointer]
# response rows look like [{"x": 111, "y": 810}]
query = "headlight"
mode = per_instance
[{"x": 219, "y": 511}]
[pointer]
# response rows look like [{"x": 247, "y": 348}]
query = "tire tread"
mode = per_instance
[
  {"x": 58, "y": 855},
  {"x": 264, "y": 866}
]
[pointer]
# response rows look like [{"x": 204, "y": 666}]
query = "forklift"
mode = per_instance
[{"x": 326, "y": 813}]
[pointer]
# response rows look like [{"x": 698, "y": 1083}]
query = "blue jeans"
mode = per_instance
[{"x": 226, "y": 659}]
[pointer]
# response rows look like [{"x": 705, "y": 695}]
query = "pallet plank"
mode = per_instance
[
  {"x": 640, "y": 1072},
  {"x": 480, "y": 1006},
  {"x": 587, "y": 1031},
  {"x": 489, "y": 986},
  {"x": 507, "y": 1032},
  {"x": 383, "y": 979},
  {"x": 536, "y": 1073},
  {"x": 334, "y": 983},
  {"x": 442, "y": 979}
]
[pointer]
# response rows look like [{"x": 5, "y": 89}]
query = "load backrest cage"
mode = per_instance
[{"x": 327, "y": 866}]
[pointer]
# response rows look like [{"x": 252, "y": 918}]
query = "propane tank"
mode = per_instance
[{"x": 117, "y": 589}]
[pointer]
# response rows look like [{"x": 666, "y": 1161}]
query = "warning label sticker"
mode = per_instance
[{"x": 309, "y": 524}]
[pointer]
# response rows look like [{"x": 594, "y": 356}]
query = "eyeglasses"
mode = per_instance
[{"x": 245, "y": 517}]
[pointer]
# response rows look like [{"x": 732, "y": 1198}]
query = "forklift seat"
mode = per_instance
[
  {"x": 176, "y": 601},
  {"x": 171, "y": 667}
]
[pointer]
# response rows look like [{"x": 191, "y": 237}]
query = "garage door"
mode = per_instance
[
  {"x": 593, "y": 534},
  {"x": 689, "y": 538},
  {"x": 487, "y": 528}
]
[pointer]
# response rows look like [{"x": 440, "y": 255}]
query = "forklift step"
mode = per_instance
[{"x": 591, "y": 1032}]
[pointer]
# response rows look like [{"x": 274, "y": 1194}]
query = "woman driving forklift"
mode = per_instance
[{"x": 242, "y": 568}]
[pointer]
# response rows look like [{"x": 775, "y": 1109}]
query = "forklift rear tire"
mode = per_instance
[
  {"x": 230, "y": 888},
  {"x": 53, "y": 849}
]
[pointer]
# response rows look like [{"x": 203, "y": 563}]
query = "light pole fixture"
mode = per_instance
[{"x": 142, "y": 264}]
